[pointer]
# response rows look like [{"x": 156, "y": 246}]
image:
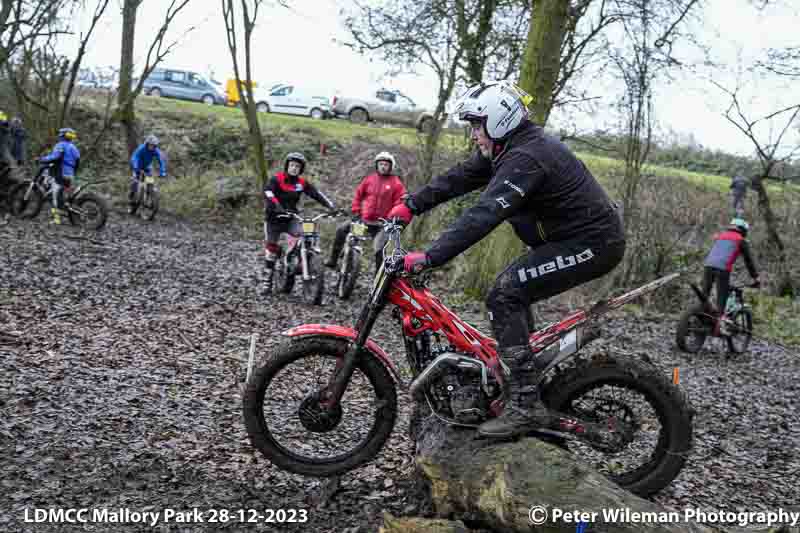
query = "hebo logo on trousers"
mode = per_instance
[{"x": 561, "y": 263}]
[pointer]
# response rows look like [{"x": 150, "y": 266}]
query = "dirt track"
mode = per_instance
[{"x": 122, "y": 354}]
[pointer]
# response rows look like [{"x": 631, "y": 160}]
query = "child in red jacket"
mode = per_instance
[{"x": 374, "y": 198}]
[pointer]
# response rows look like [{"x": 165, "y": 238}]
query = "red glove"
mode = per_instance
[
  {"x": 415, "y": 262},
  {"x": 402, "y": 212}
]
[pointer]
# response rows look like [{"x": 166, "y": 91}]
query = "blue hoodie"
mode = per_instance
[
  {"x": 142, "y": 159},
  {"x": 68, "y": 154}
]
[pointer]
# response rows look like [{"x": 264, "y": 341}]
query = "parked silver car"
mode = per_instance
[
  {"x": 184, "y": 85},
  {"x": 384, "y": 105}
]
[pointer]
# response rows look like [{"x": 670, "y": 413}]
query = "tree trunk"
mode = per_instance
[
  {"x": 125, "y": 112},
  {"x": 542, "y": 60},
  {"x": 493, "y": 486},
  {"x": 785, "y": 284}
]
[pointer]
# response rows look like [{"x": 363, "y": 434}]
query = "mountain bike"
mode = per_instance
[
  {"x": 697, "y": 323},
  {"x": 350, "y": 266},
  {"x": 303, "y": 258},
  {"x": 146, "y": 198},
  {"x": 325, "y": 401},
  {"x": 84, "y": 208}
]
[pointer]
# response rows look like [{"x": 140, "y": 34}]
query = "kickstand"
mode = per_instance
[{"x": 325, "y": 492}]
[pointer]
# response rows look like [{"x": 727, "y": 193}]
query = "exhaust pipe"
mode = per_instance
[{"x": 434, "y": 370}]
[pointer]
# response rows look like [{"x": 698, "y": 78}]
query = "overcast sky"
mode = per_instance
[{"x": 297, "y": 46}]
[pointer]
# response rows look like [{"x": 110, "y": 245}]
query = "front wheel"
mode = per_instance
[
  {"x": 150, "y": 203},
  {"x": 25, "y": 200},
  {"x": 693, "y": 328},
  {"x": 621, "y": 392},
  {"x": 288, "y": 423},
  {"x": 88, "y": 211},
  {"x": 741, "y": 331},
  {"x": 314, "y": 287},
  {"x": 347, "y": 279}
]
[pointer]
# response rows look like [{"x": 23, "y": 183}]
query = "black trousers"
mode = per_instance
[
  {"x": 723, "y": 281},
  {"x": 545, "y": 271}
]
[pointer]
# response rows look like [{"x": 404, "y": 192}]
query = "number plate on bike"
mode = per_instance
[
  {"x": 309, "y": 227},
  {"x": 149, "y": 180},
  {"x": 359, "y": 230}
]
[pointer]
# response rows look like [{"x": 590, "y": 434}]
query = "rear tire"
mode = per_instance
[
  {"x": 359, "y": 116},
  {"x": 95, "y": 211},
  {"x": 261, "y": 436},
  {"x": 667, "y": 401},
  {"x": 741, "y": 331},
  {"x": 693, "y": 328}
]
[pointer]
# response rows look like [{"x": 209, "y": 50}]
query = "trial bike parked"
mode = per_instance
[
  {"x": 697, "y": 323},
  {"x": 350, "y": 265},
  {"x": 84, "y": 208},
  {"x": 325, "y": 401},
  {"x": 303, "y": 258},
  {"x": 146, "y": 198}
]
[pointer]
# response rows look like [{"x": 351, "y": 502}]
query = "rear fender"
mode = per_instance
[{"x": 328, "y": 330}]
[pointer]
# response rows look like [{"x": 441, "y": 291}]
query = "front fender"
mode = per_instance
[{"x": 329, "y": 330}]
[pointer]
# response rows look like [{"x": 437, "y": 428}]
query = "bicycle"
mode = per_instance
[
  {"x": 697, "y": 323},
  {"x": 350, "y": 266},
  {"x": 84, "y": 208},
  {"x": 328, "y": 382},
  {"x": 146, "y": 198},
  {"x": 303, "y": 257}
]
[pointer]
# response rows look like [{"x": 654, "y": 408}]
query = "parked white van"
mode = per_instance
[{"x": 293, "y": 100}]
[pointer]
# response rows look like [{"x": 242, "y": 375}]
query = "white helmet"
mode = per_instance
[
  {"x": 500, "y": 105},
  {"x": 385, "y": 156}
]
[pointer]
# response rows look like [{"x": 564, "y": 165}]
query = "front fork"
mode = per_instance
[{"x": 347, "y": 364}]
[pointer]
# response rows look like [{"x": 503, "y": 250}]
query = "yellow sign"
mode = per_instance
[{"x": 309, "y": 227}]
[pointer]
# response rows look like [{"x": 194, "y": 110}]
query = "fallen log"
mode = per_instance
[{"x": 528, "y": 485}]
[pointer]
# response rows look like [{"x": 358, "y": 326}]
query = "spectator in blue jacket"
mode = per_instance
[
  {"x": 142, "y": 163},
  {"x": 67, "y": 158}
]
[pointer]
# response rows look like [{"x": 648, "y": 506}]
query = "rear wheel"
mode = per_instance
[
  {"x": 631, "y": 394},
  {"x": 155, "y": 91},
  {"x": 741, "y": 331},
  {"x": 88, "y": 211},
  {"x": 25, "y": 201},
  {"x": 287, "y": 422},
  {"x": 317, "y": 114},
  {"x": 359, "y": 115},
  {"x": 693, "y": 328},
  {"x": 262, "y": 107}
]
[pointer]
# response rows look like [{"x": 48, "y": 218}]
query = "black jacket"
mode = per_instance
[
  {"x": 285, "y": 191},
  {"x": 536, "y": 183}
]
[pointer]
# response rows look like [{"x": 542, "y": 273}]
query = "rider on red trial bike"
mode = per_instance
[
  {"x": 281, "y": 195},
  {"x": 556, "y": 207}
]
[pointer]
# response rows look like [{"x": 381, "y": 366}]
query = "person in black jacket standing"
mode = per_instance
[{"x": 556, "y": 207}]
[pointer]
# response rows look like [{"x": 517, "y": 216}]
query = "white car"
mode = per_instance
[{"x": 292, "y": 100}]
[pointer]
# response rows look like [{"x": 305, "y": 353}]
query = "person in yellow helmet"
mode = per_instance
[{"x": 66, "y": 159}]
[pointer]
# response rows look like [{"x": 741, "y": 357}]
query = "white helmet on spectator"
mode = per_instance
[{"x": 385, "y": 156}]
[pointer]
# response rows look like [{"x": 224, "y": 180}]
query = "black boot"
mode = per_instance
[
  {"x": 334, "y": 257},
  {"x": 523, "y": 409},
  {"x": 269, "y": 274}
]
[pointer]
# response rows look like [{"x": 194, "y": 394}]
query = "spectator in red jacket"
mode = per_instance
[{"x": 375, "y": 197}]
